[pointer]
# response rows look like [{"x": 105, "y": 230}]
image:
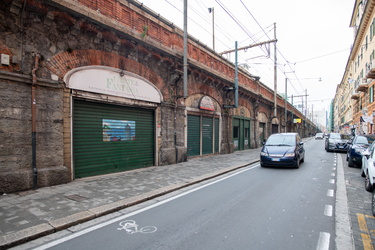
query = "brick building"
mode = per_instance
[{"x": 90, "y": 87}]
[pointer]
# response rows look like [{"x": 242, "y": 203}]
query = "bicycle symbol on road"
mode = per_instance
[{"x": 131, "y": 227}]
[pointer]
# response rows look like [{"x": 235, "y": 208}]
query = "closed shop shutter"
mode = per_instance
[
  {"x": 193, "y": 135},
  {"x": 207, "y": 135},
  {"x": 109, "y": 138},
  {"x": 217, "y": 135},
  {"x": 236, "y": 133},
  {"x": 247, "y": 134}
]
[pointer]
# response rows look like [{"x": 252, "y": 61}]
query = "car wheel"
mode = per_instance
[
  {"x": 368, "y": 185},
  {"x": 373, "y": 203},
  {"x": 297, "y": 163},
  {"x": 350, "y": 163},
  {"x": 363, "y": 173}
]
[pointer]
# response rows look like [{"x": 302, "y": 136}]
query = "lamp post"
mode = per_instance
[{"x": 211, "y": 10}]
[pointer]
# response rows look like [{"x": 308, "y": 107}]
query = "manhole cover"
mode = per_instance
[{"x": 76, "y": 197}]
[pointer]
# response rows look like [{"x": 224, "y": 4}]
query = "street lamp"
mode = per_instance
[{"x": 211, "y": 10}]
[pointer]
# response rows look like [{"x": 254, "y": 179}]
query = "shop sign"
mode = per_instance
[
  {"x": 206, "y": 103},
  {"x": 297, "y": 120},
  {"x": 114, "y": 82},
  {"x": 366, "y": 119}
]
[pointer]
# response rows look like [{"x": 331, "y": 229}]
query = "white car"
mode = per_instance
[
  {"x": 319, "y": 136},
  {"x": 368, "y": 171}
]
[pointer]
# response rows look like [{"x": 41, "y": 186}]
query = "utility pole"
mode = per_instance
[
  {"x": 286, "y": 100},
  {"x": 185, "y": 49},
  {"x": 306, "y": 103},
  {"x": 275, "y": 75}
]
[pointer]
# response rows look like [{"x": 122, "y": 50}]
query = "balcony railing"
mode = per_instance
[
  {"x": 370, "y": 70},
  {"x": 355, "y": 95},
  {"x": 362, "y": 85}
]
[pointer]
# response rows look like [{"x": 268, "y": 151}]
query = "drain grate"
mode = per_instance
[{"x": 76, "y": 197}]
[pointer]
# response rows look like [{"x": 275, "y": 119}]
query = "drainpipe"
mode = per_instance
[{"x": 33, "y": 122}]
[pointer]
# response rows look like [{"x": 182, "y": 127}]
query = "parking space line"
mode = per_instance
[{"x": 366, "y": 238}]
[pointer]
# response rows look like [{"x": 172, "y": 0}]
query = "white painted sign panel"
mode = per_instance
[{"x": 114, "y": 82}]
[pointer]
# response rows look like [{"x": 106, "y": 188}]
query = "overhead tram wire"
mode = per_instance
[
  {"x": 244, "y": 29},
  {"x": 204, "y": 29},
  {"x": 277, "y": 48}
]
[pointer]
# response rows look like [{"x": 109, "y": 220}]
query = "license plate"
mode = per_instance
[
  {"x": 341, "y": 146},
  {"x": 275, "y": 159}
]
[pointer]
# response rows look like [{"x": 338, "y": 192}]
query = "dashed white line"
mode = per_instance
[
  {"x": 323, "y": 243},
  {"x": 328, "y": 210},
  {"x": 330, "y": 192}
]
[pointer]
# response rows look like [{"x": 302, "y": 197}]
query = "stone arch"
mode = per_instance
[
  {"x": 205, "y": 89},
  {"x": 275, "y": 121},
  {"x": 192, "y": 101},
  {"x": 242, "y": 111},
  {"x": 64, "y": 62}
]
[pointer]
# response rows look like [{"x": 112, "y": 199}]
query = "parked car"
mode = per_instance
[
  {"x": 319, "y": 136},
  {"x": 282, "y": 150},
  {"x": 356, "y": 147},
  {"x": 368, "y": 171},
  {"x": 337, "y": 142}
]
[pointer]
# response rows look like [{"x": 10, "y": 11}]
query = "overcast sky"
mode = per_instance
[{"x": 314, "y": 39}]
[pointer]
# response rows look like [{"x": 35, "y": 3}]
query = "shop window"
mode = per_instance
[{"x": 236, "y": 132}]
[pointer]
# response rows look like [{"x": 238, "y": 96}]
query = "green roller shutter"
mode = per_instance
[
  {"x": 247, "y": 134},
  {"x": 109, "y": 138},
  {"x": 236, "y": 133},
  {"x": 217, "y": 135},
  {"x": 193, "y": 135},
  {"x": 207, "y": 135}
]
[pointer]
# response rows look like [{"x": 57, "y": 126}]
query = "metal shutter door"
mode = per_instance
[
  {"x": 207, "y": 135},
  {"x": 109, "y": 138},
  {"x": 193, "y": 142},
  {"x": 217, "y": 135}
]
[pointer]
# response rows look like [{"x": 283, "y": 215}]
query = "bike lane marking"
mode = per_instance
[
  {"x": 365, "y": 234},
  {"x": 90, "y": 229}
]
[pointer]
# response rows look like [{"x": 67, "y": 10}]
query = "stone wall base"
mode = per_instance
[
  {"x": 173, "y": 155},
  {"x": 23, "y": 180}
]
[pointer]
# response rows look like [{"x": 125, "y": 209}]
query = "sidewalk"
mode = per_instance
[{"x": 31, "y": 214}]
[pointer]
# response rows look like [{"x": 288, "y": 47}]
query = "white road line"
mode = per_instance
[
  {"x": 330, "y": 192},
  {"x": 323, "y": 243},
  {"x": 328, "y": 210},
  {"x": 332, "y": 181},
  {"x": 93, "y": 228}
]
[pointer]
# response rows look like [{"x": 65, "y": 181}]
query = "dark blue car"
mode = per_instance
[
  {"x": 356, "y": 146},
  {"x": 282, "y": 150}
]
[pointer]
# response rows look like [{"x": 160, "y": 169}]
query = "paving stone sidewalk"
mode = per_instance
[{"x": 31, "y": 214}]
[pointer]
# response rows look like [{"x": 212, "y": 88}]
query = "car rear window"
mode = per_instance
[{"x": 281, "y": 140}]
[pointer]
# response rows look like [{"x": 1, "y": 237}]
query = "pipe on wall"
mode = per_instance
[{"x": 33, "y": 121}]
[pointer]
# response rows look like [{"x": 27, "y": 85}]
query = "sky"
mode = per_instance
[{"x": 313, "y": 41}]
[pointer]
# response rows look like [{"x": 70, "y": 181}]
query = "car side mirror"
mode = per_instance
[{"x": 366, "y": 154}]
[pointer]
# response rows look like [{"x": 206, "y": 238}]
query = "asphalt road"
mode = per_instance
[{"x": 253, "y": 208}]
